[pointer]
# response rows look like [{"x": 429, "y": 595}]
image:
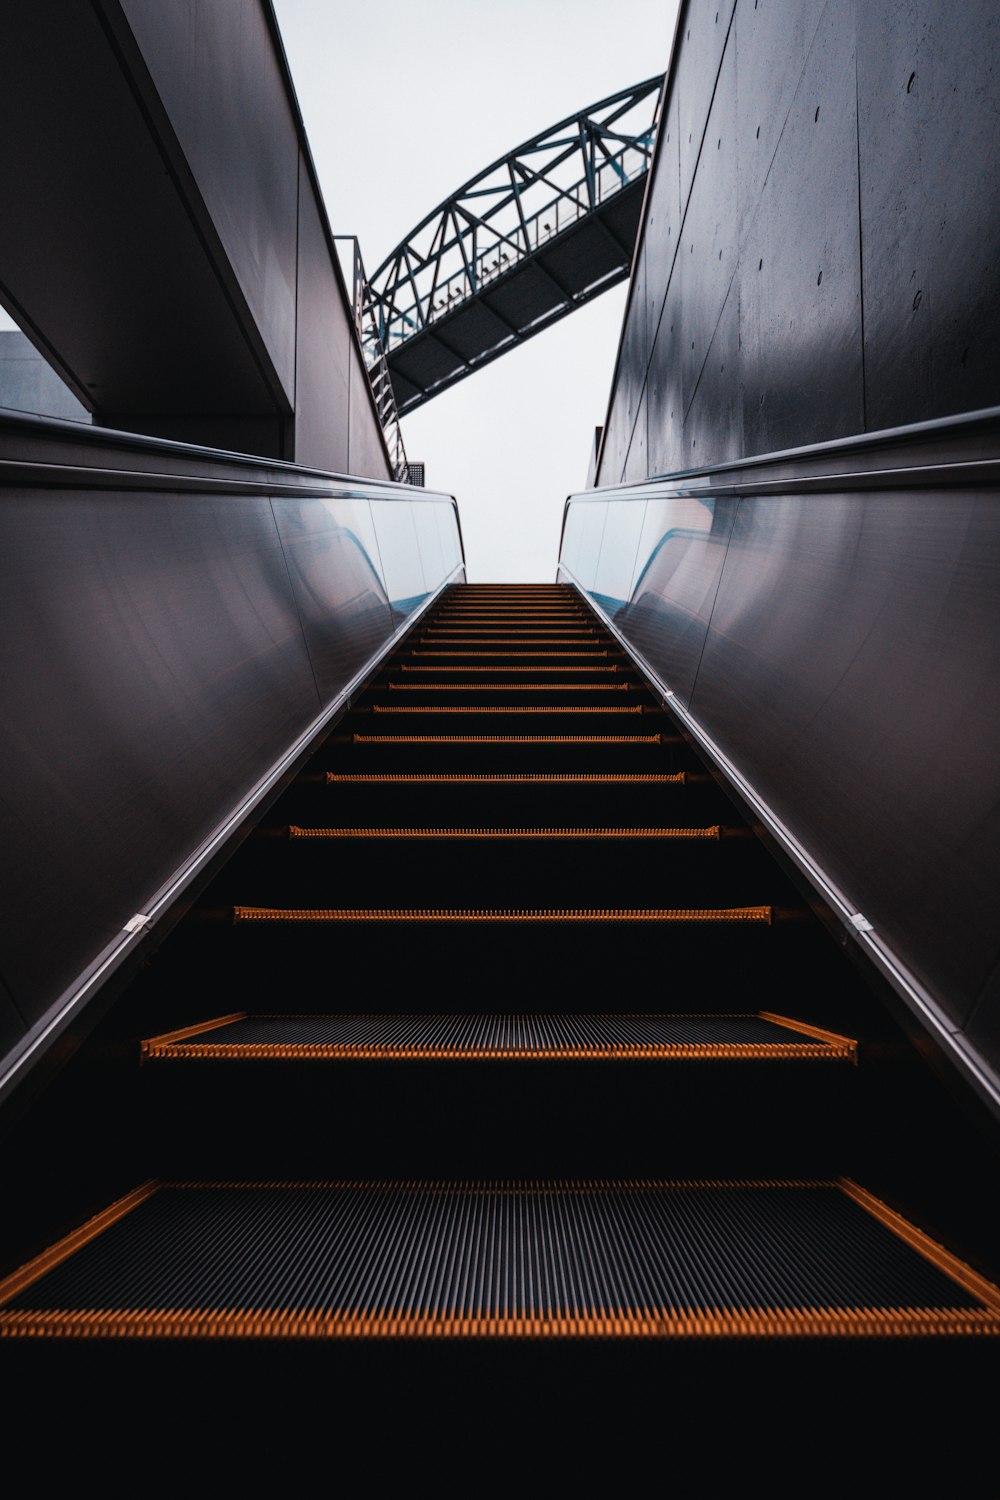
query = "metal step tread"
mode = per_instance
[
  {"x": 496, "y": 1259},
  {"x": 726, "y": 915},
  {"x": 497, "y": 778},
  {"x": 434, "y": 667},
  {"x": 597, "y": 710},
  {"x": 515, "y": 739},
  {"x": 711, "y": 833},
  {"x": 762, "y": 1036}
]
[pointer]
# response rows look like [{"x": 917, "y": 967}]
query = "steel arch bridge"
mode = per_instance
[{"x": 538, "y": 233}]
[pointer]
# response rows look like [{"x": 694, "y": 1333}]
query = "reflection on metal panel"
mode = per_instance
[
  {"x": 853, "y": 661},
  {"x": 332, "y": 558},
  {"x": 167, "y": 637},
  {"x": 681, "y": 552},
  {"x": 582, "y": 533},
  {"x": 616, "y": 563},
  {"x": 399, "y": 550},
  {"x": 154, "y": 668},
  {"x": 831, "y": 622}
]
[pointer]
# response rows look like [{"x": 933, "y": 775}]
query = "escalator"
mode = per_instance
[{"x": 503, "y": 1025}]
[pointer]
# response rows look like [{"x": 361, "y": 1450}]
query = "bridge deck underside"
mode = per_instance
[{"x": 585, "y": 259}]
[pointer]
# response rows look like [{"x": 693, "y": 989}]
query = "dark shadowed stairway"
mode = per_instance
[{"x": 502, "y": 1026}]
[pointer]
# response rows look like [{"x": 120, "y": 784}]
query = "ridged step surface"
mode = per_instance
[
  {"x": 466, "y": 1037},
  {"x": 498, "y": 1259},
  {"x": 757, "y": 915}
]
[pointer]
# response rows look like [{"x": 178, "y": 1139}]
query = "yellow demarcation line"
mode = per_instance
[
  {"x": 494, "y": 635},
  {"x": 665, "y": 1323},
  {"x": 831, "y": 1038},
  {"x": 408, "y": 667},
  {"x": 945, "y": 1261},
  {"x": 510, "y": 687},
  {"x": 511, "y": 739},
  {"x": 397, "y": 708},
  {"x": 674, "y": 778},
  {"x": 713, "y": 833},
  {"x": 724, "y": 915},
  {"x": 582, "y": 639},
  {"x": 16, "y": 1282},
  {"x": 515, "y": 655},
  {"x": 507, "y": 616},
  {"x": 154, "y": 1046},
  {"x": 179, "y": 1046},
  {"x": 592, "y": 1323}
]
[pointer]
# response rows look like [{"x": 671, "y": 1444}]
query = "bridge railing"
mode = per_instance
[
  {"x": 517, "y": 243},
  {"x": 366, "y": 321},
  {"x": 494, "y": 221}
]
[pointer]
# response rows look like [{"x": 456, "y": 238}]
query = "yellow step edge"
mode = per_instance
[
  {"x": 516, "y": 655},
  {"x": 456, "y": 644},
  {"x": 25, "y": 1275},
  {"x": 408, "y": 667},
  {"x": 160, "y": 1048},
  {"x": 514, "y": 739},
  {"x": 178, "y": 1045},
  {"x": 832, "y": 1038},
  {"x": 724, "y": 915},
  {"x": 491, "y": 633},
  {"x": 600, "y": 709},
  {"x": 670, "y": 778},
  {"x": 713, "y": 833},
  {"x": 236, "y": 1323},
  {"x": 151, "y": 1046}
]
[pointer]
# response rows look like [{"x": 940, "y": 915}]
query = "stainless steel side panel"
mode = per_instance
[
  {"x": 680, "y": 557},
  {"x": 153, "y": 667},
  {"x": 852, "y": 665},
  {"x": 161, "y": 649},
  {"x": 840, "y": 647},
  {"x": 333, "y": 564}
]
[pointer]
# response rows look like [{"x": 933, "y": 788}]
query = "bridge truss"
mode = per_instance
[{"x": 537, "y": 234}]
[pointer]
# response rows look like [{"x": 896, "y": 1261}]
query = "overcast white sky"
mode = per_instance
[{"x": 403, "y": 102}]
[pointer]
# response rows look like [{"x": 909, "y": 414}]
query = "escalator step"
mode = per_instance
[
  {"x": 516, "y": 655},
  {"x": 713, "y": 832},
  {"x": 464, "y": 1037},
  {"x": 494, "y": 635},
  {"x": 507, "y": 1260},
  {"x": 499, "y": 778},
  {"x": 511, "y": 777},
  {"x": 461, "y": 708},
  {"x": 511, "y": 617},
  {"x": 442, "y": 640},
  {"x": 511, "y": 687},
  {"x": 515, "y": 739},
  {"x": 725, "y": 915},
  {"x": 421, "y": 667}
]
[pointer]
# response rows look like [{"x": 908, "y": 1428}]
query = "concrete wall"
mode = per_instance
[
  {"x": 817, "y": 257},
  {"x": 178, "y": 270}
]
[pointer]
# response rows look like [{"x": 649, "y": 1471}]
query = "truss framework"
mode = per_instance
[{"x": 509, "y": 214}]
